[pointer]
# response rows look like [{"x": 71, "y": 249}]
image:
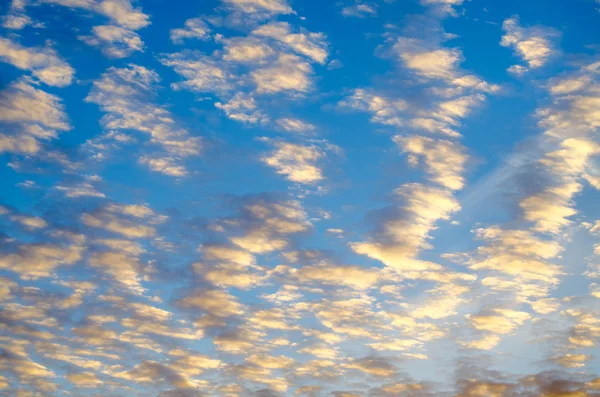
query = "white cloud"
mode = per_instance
[
  {"x": 164, "y": 165},
  {"x": 402, "y": 229},
  {"x": 114, "y": 41},
  {"x": 32, "y": 261},
  {"x": 125, "y": 96},
  {"x": 534, "y": 45},
  {"x": 444, "y": 160},
  {"x": 261, "y": 6},
  {"x": 288, "y": 73},
  {"x": 427, "y": 61},
  {"x": 195, "y": 28},
  {"x": 202, "y": 73},
  {"x": 43, "y": 63},
  {"x": 311, "y": 45},
  {"x": 359, "y": 10},
  {"x": 243, "y": 108},
  {"x": 294, "y": 125},
  {"x": 384, "y": 110},
  {"x": 299, "y": 163},
  {"x": 30, "y": 116}
]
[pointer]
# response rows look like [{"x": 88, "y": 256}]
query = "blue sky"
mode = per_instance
[{"x": 300, "y": 198}]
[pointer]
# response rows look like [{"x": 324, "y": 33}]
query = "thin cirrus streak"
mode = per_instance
[{"x": 291, "y": 198}]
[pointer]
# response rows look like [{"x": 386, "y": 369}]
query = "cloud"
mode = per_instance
[
  {"x": 30, "y": 116},
  {"x": 263, "y": 223},
  {"x": 35, "y": 260},
  {"x": 499, "y": 321},
  {"x": 118, "y": 39},
  {"x": 123, "y": 94},
  {"x": 298, "y": 163},
  {"x": 16, "y": 18},
  {"x": 261, "y": 6},
  {"x": 294, "y": 125},
  {"x": 445, "y": 160},
  {"x": 273, "y": 58},
  {"x": 359, "y": 10},
  {"x": 311, "y": 45},
  {"x": 551, "y": 208},
  {"x": 373, "y": 366},
  {"x": 195, "y": 28},
  {"x": 202, "y": 73},
  {"x": 384, "y": 110},
  {"x": 123, "y": 220},
  {"x": 431, "y": 63},
  {"x": 80, "y": 190},
  {"x": 43, "y": 63},
  {"x": 215, "y": 302},
  {"x": 534, "y": 45},
  {"x": 84, "y": 379},
  {"x": 123, "y": 268},
  {"x": 288, "y": 73},
  {"x": 402, "y": 230},
  {"x": 114, "y": 41},
  {"x": 243, "y": 108},
  {"x": 443, "y": 6},
  {"x": 29, "y": 222}
]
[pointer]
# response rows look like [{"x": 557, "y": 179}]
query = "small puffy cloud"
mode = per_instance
[
  {"x": 378, "y": 367},
  {"x": 427, "y": 61},
  {"x": 294, "y": 125},
  {"x": 551, "y": 208},
  {"x": 164, "y": 165},
  {"x": 261, "y": 6},
  {"x": 545, "y": 306},
  {"x": 29, "y": 222},
  {"x": 247, "y": 50},
  {"x": 84, "y": 379},
  {"x": 519, "y": 253},
  {"x": 220, "y": 253},
  {"x": 243, "y": 108},
  {"x": 402, "y": 229},
  {"x": 120, "y": 12},
  {"x": 30, "y": 115},
  {"x": 16, "y": 18},
  {"x": 114, "y": 41},
  {"x": 384, "y": 110},
  {"x": 443, "y": 6},
  {"x": 215, "y": 302},
  {"x": 33, "y": 260},
  {"x": 359, "y": 10},
  {"x": 123, "y": 268},
  {"x": 202, "y": 73},
  {"x": 499, "y": 321},
  {"x": 229, "y": 267},
  {"x": 195, "y": 28},
  {"x": 571, "y": 360},
  {"x": 265, "y": 223},
  {"x": 43, "y": 63},
  {"x": 444, "y": 160},
  {"x": 289, "y": 73},
  {"x": 237, "y": 341},
  {"x": 299, "y": 163},
  {"x": 487, "y": 342},
  {"x": 311, "y": 45},
  {"x": 123, "y": 220},
  {"x": 81, "y": 190},
  {"x": 125, "y": 96},
  {"x": 534, "y": 45},
  {"x": 270, "y": 362}
]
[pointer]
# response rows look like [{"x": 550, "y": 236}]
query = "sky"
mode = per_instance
[{"x": 264, "y": 198}]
